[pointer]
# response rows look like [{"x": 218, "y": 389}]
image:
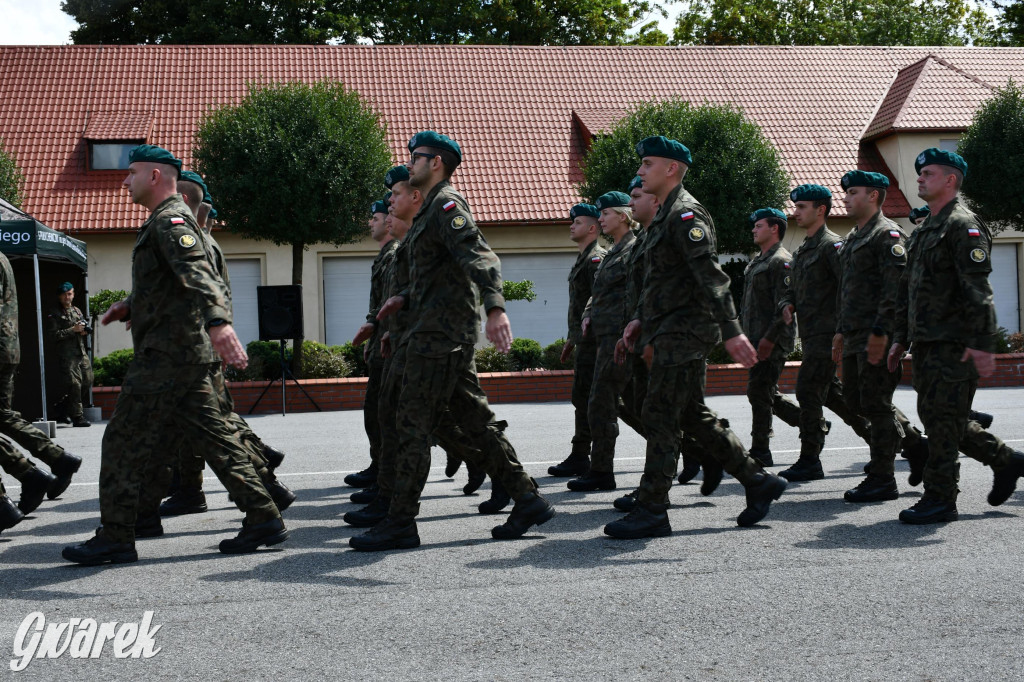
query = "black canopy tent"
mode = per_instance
[{"x": 41, "y": 259}]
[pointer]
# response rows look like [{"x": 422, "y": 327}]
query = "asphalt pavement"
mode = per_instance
[{"x": 820, "y": 590}]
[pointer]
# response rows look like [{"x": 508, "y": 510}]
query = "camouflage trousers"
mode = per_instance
[
  {"x": 582, "y": 380},
  {"x": 818, "y": 387},
  {"x": 17, "y": 429},
  {"x": 765, "y": 399},
  {"x": 675, "y": 400},
  {"x": 868, "y": 390},
  {"x": 606, "y": 405},
  {"x": 371, "y": 416},
  {"x": 440, "y": 375},
  {"x": 945, "y": 390},
  {"x": 76, "y": 380},
  {"x": 160, "y": 400}
]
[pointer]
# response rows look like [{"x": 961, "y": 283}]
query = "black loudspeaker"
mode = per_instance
[{"x": 280, "y": 311}]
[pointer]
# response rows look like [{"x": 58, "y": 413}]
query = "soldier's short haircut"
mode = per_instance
[
  {"x": 826, "y": 202},
  {"x": 881, "y": 194},
  {"x": 193, "y": 191},
  {"x": 448, "y": 160},
  {"x": 779, "y": 223},
  {"x": 950, "y": 170}
]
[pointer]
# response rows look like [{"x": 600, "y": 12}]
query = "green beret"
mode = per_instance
[
  {"x": 387, "y": 198},
  {"x": 635, "y": 183},
  {"x": 428, "y": 138},
  {"x": 663, "y": 146},
  {"x": 66, "y": 287},
  {"x": 149, "y": 153},
  {"x": 396, "y": 175},
  {"x": 379, "y": 207},
  {"x": 207, "y": 199},
  {"x": 585, "y": 210},
  {"x": 918, "y": 213},
  {"x": 192, "y": 176},
  {"x": 934, "y": 155},
  {"x": 859, "y": 178},
  {"x": 810, "y": 193},
  {"x": 611, "y": 200},
  {"x": 762, "y": 213},
  {"x": 213, "y": 214}
]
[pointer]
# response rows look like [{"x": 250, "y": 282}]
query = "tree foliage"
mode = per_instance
[
  {"x": 831, "y": 22},
  {"x": 993, "y": 147},
  {"x": 736, "y": 169},
  {"x": 12, "y": 181},
  {"x": 1009, "y": 26}
]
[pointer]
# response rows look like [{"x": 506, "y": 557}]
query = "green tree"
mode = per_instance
[
  {"x": 12, "y": 181},
  {"x": 130, "y": 22},
  {"x": 993, "y": 147},
  {"x": 831, "y": 22},
  {"x": 736, "y": 169},
  {"x": 294, "y": 164},
  {"x": 1009, "y": 27}
]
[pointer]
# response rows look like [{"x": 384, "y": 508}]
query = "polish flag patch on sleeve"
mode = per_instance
[
  {"x": 177, "y": 221},
  {"x": 686, "y": 216},
  {"x": 595, "y": 259},
  {"x": 449, "y": 206},
  {"x": 973, "y": 232},
  {"x": 895, "y": 234}
]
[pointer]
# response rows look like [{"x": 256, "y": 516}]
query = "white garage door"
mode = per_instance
[
  {"x": 1005, "y": 288},
  {"x": 346, "y": 297},
  {"x": 245, "y": 275},
  {"x": 543, "y": 319}
]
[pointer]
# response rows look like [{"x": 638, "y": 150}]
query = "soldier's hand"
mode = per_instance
[
  {"x": 741, "y": 351},
  {"x": 585, "y": 326},
  {"x": 764, "y": 349},
  {"x": 499, "y": 330},
  {"x": 648, "y": 355},
  {"x": 787, "y": 313},
  {"x": 896, "y": 353},
  {"x": 620, "y": 352},
  {"x": 837, "y": 348},
  {"x": 876, "y": 348},
  {"x": 984, "y": 362},
  {"x": 385, "y": 345},
  {"x": 79, "y": 328},
  {"x": 116, "y": 312},
  {"x": 391, "y": 306},
  {"x": 365, "y": 332},
  {"x": 631, "y": 334},
  {"x": 566, "y": 352},
  {"x": 226, "y": 343}
]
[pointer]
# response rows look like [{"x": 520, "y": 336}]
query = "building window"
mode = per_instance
[
  {"x": 949, "y": 145},
  {"x": 110, "y": 155}
]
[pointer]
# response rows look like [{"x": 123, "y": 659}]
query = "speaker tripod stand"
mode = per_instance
[{"x": 285, "y": 375}]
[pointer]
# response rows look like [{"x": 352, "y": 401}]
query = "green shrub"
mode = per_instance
[
  {"x": 1015, "y": 343},
  {"x": 354, "y": 357},
  {"x": 525, "y": 354},
  {"x": 552, "y": 358},
  {"x": 321, "y": 362},
  {"x": 110, "y": 369},
  {"x": 719, "y": 356},
  {"x": 489, "y": 359}
]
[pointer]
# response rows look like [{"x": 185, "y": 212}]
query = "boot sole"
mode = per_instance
[
  {"x": 800, "y": 478},
  {"x": 182, "y": 512},
  {"x": 944, "y": 518},
  {"x": 61, "y": 484},
  {"x": 659, "y": 532},
  {"x": 538, "y": 520},
  {"x": 120, "y": 558},
  {"x": 403, "y": 543},
  {"x": 590, "y": 488},
  {"x": 275, "y": 539},
  {"x": 869, "y": 500}
]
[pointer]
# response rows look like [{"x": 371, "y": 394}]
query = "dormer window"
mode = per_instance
[
  {"x": 110, "y": 155},
  {"x": 110, "y": 135}
]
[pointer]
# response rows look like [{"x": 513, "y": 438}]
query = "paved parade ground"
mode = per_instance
[{"x": 820, "y": 590}]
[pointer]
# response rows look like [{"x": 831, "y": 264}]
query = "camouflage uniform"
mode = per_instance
[
  {"x": 447, "y": 257},
  {"x": 11, "y": 423},
  {"x": 168, "y": 388},
  {"x": 72, "y": 359},
  {"x": 945, "y": 307},
  {"x": 374, "y": 361},
  {"x": 680, "y": 256},
  {"x": 765, "y": 285},
  {"x": 873, "y": 259},
  {"x": 607, "y": 313},
  {"x": 581, "y": 283}
]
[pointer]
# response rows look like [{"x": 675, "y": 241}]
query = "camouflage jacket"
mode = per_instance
[
  {"x": 873, "y": 259},
  {"x": 635, "y": 272},
  {"x": 607, "y": 306},
  {"x": 67, "y": 343},
  {"x": 815, "y": 284},
  {"x": 219, "y": 262},
  {"x": 684, "y": 290},
  {"x": 945, "y": 294},
  {"x": 448, "y": 256},
  {"x": 766, "y": 283},
  {"x": 176, "y": 289},
  {"x": 10, "y": 344},
  {"x": 378, "y": 293},
  {"x": 396, "y": 281},
  {"x": 581, "y": 284}
]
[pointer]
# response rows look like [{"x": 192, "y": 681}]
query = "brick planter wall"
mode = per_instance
[{"x": 518, "y": 387}]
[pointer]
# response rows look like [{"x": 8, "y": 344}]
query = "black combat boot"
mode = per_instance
[
  {"x": 930, "y": 510},
  {"x": 644, "y": 521},
  {"x": 33, "y": 489},
  {"x": 63, "y": 469},
  {"x": 184, "y": 501},
  {"x": 691, "y": 467},
  {"x": 873, "y": 489},
  {"x": 498, "y": 501},
  {"x": 148, "y": 527},
  {"x": 452, "y": 465},
  {"x": 712, "y": 475},
  {"x": 281, "y": 494},
  {"x": 388, "y": 534},
  {"x": 576, "y": 464},
  {"x": 10, "y": 515},
  {"x": 273, "y": 456},
  {"x": 253, "y": 536},
  {"x": 365, "y": 496},
  {"x": 762, "y": 455},
  {"x": 364, "y": 478},
  {"x": 81, "y": 422},
  {"x": 627, "y": 501},
  {"x": 808, "y": 466},
  {"x": 369, "y": 516},
  {"x": 917, "y": 457},
  {"x": 593, "y": 480},
  {"x": 763, "y": 489},
  {"x": 983, "y": 418},
  {"x": 100, "y": 549},
  {"x": 529, "y": 510},
  {"x": 476, "y": 478},
  {"x": 1004, "y": 481}
]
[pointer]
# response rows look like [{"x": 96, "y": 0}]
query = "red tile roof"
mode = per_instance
[
  {"x": 511, "y": 108},
  {"x": 118, "y": 125}
]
